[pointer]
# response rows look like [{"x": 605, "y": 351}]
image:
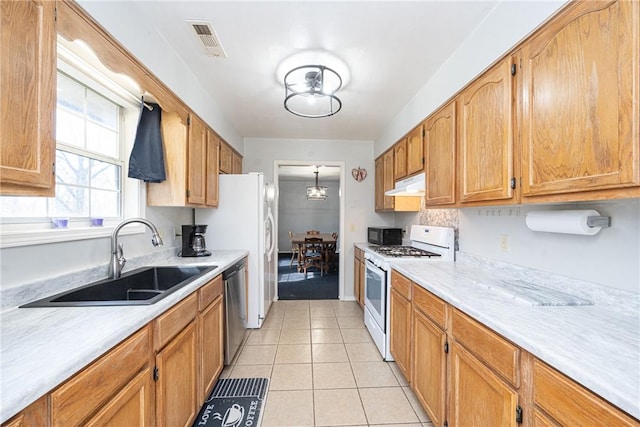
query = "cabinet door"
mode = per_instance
[
  {"x": 362, "y": 276},
  {"x": 236, "y": 166},
  {"x": 440, "y": 156},
  {"x": 197, "y": 162},
  {"x": 132, "y": 406},
  {"x": 379, "y": 187},
  {"x": 569, "y": 403},
  {"x": 580, "y": 104},
  {"x": 356, "y": 279},
  {"x": 485, "y": 129},
  {"x": 226, "y": 158},
  {"x": 35, "y": 415},
  {"x": 400, "y": 340},
  {"x": 389, "y": 182},
  {"x": 100, "y": 383},
  {"x": 213, "y": 154},
  {"x": 400, "y": 155},
  {"x": 429, "y": 367},
  {"x": 212, "y": 346},
  {"x": 176, "y": 387},
  {"x": 478, "y": 397},
  {"x": 28, "y": 81},
  {"x": 415, "y": 152}
]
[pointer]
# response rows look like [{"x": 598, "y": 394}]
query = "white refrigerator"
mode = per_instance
[{"x": 244, "y": 220}]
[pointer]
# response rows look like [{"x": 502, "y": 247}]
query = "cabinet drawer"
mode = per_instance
[
  {"x": 81, "y": 396},
  {"x": 209, "y": 292},
  {"x": 571, "y": 404},
  {"x": 174, "y": 320},
  {"x": 488, "y": 346},
  {"x": 401, "y": 284},
  {"x": 430, "y": 305}
]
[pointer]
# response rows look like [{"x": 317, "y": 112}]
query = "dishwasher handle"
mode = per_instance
[{"x": 232, "y": 271}]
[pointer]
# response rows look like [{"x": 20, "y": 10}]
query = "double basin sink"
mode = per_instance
[{"x": 143, "y": 286}]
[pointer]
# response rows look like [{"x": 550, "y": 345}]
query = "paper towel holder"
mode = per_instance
[{"x": 599, "y": 221}]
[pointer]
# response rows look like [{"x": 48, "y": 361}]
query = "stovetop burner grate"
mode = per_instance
[{"x": 404, "y": 251}]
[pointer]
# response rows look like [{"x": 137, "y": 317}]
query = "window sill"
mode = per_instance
[{"x": 16, "y": 238}]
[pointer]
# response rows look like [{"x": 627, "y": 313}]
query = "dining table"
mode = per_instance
[{"x": 299, "y": 238}]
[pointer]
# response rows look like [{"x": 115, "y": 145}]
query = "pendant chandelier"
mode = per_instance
[
  {"x": 310, "y": 91},
  {"x": 317, "y": 192}
]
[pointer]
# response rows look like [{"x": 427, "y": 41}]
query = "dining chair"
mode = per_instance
[
  {"x": 312, "y": 255},
  {"x": 295, "y": 250},
  {"x": 331, "y": 252}
]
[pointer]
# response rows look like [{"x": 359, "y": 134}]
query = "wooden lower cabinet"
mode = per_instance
[
  {"x": 478, "y": 397},
  {"x": 358, "y": 275},
  {"x": 429, "y": 366},
  {"x": 568, "y": 403},
  {"x": 84, "y": 398},
  {"x": 210, "y": 323},
  {"x": 176, "y": 387},
  {"x": 35, "y": 415},
  {"x": 132, "y": 406},
  {"x": 400, "y": 324}
]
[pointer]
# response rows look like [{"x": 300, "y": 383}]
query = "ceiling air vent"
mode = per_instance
[{"x": 208, "y": 38}]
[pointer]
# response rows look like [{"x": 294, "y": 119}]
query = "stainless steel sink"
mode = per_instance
[{"x": 143, "y": 286}]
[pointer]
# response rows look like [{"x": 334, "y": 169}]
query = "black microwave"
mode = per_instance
[{"x": 384, "y": 235}]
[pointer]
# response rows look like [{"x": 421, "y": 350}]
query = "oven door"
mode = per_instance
[{"x": 375, "y": 293}]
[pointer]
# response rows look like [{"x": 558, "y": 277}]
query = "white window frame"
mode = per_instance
[{"x": 22, "y": 232}]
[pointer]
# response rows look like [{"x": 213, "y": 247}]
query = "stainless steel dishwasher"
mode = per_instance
[{"x": 235, "y": 309}]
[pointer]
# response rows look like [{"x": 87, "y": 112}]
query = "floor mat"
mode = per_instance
[{"x": 234, "y": 402}]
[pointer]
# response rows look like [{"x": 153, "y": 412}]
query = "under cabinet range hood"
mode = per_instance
[{"x": 414, "y": 186}]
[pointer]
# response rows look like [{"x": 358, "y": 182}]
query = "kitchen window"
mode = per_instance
[{"x": 95, "y": 128}]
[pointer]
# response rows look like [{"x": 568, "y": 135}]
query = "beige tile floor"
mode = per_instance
[{"x": 324, "y": 369}]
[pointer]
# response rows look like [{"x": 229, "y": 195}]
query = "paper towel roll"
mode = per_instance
[{"x": 570, "y": 221}]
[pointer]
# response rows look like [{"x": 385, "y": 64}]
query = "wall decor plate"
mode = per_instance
[{"x": 359, "y": 174}]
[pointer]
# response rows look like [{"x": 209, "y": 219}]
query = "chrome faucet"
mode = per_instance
[{"x": 117, "y": 254}]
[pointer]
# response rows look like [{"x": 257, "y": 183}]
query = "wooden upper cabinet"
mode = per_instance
[
  {"x": 389, "y": 182},
  {"x": 28, "y": 81},
  {"x": 440, "y": 156},
  {"x": 485, "y": 127},
  {"x": 226, "y": 158},
  {"x": 415, "y": 152},
  {"x": 581, "y": 80},
  {"x": 236, "y": 163},
  {"x": 212, "y": 168},
  {"x": 379, "y": 184},
  {"x": 191, "y": 161},
  {"x": 400, "y": 159},
  {"x": 197, "y": 149}
]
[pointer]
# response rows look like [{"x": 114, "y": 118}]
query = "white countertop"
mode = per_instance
[
  {"x": 596, "y": 345},
  {"x": 43, "y": 347}
]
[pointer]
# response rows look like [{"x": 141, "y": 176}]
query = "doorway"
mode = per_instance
[{"x": 297, "y": 213}]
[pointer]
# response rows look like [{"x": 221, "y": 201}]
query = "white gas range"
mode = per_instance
[{"x": 428, "y": 244}]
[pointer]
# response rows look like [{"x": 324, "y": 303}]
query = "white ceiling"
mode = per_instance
[
  {"x": 295, "y": 172},
  {"x": 390, "y": 47}
]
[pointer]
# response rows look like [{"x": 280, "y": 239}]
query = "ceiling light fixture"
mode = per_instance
[
  {"x": 310, "y": 91},
  {"x": 317, "y": 192}
]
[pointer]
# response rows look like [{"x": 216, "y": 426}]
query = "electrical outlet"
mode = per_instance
[{"x": 504, "y": 243}]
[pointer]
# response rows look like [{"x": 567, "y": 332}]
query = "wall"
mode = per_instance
[
  {"x": 27, "y": 264},
  {"x": 298, "y": 214},
  {"x": 507, "y": 24},
  {"x": 610, "y": 258},
  {"x": 133, "y": 30},
  {"x": 261, "y": 153}
]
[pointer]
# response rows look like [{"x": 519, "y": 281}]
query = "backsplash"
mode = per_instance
[{"x": 440, "y": 217}]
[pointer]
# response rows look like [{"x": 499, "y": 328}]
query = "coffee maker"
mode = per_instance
[{"x": 193, "y": 244}]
